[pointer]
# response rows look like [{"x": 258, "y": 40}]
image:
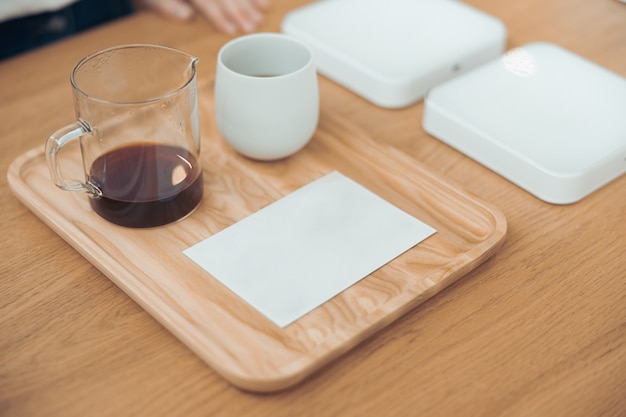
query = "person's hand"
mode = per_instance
[{"x": 228, "y": 16}]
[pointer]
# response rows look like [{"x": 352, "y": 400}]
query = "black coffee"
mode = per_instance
[{"x": 146, "y": 185}]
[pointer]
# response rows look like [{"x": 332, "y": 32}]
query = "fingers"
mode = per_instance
[
  {"x": 245, "y": 16},
  {"x": 261, "y": 4},
  {"x": 173, "y": 9},
  {"x": 228, "y": 16},
  {"x": 232, "y": 16}
]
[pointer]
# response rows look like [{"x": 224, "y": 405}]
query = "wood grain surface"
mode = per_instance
[
  {"x": 233, "y": 338},
  {"x": 539, "y": 329}
]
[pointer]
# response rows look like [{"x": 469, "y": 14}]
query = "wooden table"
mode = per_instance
[{"x": 537, "y": 330}]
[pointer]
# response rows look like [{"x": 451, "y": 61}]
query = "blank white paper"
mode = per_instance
[{"x": 300, "y": 251}]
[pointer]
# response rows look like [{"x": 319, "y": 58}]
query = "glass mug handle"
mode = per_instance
[{"x": 55, "y": 142}]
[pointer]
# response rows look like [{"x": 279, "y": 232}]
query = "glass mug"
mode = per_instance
[{"x": 137, "y": 124}]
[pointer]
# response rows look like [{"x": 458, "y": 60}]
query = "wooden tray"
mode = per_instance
[{"x": 232, "y": 337}]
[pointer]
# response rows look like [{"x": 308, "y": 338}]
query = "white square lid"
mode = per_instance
[
  {"x": 391, "y": 51},
  {"x": 546, "y": 119}
]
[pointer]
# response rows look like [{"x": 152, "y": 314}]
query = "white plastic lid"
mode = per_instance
[
  {"x": 546, "y": 119},
  {"x": 392, "y": 51}
]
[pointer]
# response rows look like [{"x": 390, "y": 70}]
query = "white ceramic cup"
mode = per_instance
[{"x": 266, "y": 95}]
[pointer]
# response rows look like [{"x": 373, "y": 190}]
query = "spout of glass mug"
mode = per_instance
[
  {"x": 191, "y": 61},
  {"x": 190, "y": 70}
]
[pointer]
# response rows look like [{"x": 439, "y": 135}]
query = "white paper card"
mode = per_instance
[{"x": 300, "y": 251}]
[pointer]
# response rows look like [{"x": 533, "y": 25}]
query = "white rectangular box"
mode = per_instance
[
  {"x": 392, "y": 51},
  {"x": 546, "y": 119}
]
